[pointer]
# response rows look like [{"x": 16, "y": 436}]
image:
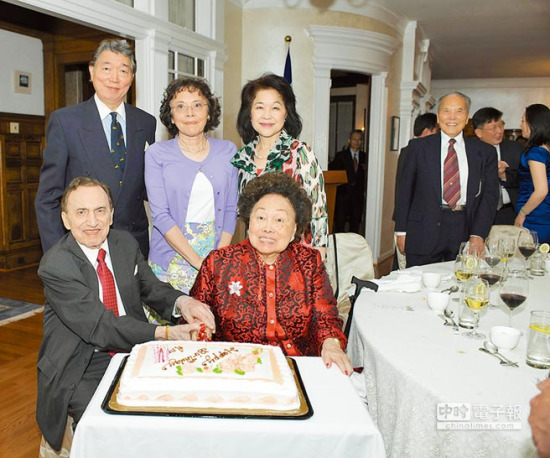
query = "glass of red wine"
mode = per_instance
[
  {"x": 494, "y": 276},
  {"x": 514, "y": 291},
  {"x": 528, "y": 242},
  {"x": 492, "y": 254}
]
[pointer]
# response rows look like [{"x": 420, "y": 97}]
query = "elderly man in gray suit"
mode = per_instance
[{"x": 95, "y": 280}]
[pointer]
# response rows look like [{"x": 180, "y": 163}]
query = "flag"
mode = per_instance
[{"x": 288, "y": 67}]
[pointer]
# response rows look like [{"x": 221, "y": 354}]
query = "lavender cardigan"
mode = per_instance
[{"x": 169, "y": 177}]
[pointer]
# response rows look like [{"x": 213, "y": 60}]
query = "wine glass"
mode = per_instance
[
  {"x": 464, "y": 267},
  {"x": 507, "y": 248},
  {"x": 528, "y": 242},
  {"x": 514, "y": 291},
  {"x": 493, "y": 252},
  {"x": 476, "y": 295},
  {"x": 494, "y": 277}
]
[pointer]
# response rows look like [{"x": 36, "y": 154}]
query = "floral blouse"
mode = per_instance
[
  {"x": 289, "y": 303},
  {"x": 295, "y": 158}
]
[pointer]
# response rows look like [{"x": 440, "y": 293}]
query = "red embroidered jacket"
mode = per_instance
[{"x": 289, "y": 303}]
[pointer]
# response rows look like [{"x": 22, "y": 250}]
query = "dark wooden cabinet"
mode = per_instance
[{"x": 20, "y": 162}]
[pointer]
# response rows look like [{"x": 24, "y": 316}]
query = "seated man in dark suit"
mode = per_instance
[
  {"x": 350, "y": 197},
  {"x": 489, "y": 127},
  {"x": 95, "y": 280}
]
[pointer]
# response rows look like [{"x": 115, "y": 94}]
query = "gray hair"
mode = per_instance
[
  {"x": 118, "y": 47},
  {"x": 460, "y": 94}
]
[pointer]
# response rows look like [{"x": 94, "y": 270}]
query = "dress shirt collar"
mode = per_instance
[
  {"x": 91, "y": 253},
  {"x": 105, "y": 111},
  {"x": 459, "y": 139}
]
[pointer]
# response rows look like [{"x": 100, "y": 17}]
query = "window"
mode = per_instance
[
  {"x": 182, "y": 12},
  {"x": 183, "y": 65}
]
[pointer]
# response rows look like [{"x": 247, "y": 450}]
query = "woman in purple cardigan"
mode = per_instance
[{"x": 191, "y": 185}]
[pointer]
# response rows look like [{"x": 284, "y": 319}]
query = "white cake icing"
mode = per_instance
[{"x": 222, "y": 375}]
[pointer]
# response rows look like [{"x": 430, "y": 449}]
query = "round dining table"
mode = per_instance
[{"x": 430, "y": 390}]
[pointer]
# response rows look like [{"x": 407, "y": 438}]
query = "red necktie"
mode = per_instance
[
  {"x": 107, "y": 283},
  {"x": 451, "y": 176}
]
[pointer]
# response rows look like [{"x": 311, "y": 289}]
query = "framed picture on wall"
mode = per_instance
[
  {"x": 23, "y": 82},
  {"x": 394, "y": 144}
]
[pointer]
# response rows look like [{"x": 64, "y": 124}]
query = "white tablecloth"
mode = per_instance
[
  {"x": 412, "y": 362},
  {"x": 339, "y": 427}
]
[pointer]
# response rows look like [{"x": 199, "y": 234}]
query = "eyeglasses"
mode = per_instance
[
  {"x": 495, "y": 127},
  {"x": 195, "y": 106}
]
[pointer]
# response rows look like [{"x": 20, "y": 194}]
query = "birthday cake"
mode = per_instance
[{"x": 222, "y": 375}]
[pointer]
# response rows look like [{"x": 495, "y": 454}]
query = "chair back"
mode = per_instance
[
  {"x": 348, "y": 256},
  {"x": 499, "y": 231}
]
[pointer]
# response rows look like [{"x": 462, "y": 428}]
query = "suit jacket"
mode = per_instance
[
  {"x": 355, "y": 187},
  {"x": 399, "y": 171},
  {"x": 76, "y": 146},
  {"x": 418, "y": 209},
  {"x": 76, "y": 321},
  {"x": 510, "y": 152}
]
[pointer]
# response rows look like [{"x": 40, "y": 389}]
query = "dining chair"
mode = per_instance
[
  {"x": 348, "y": 256},
  {"x": 504, "y": 230}
]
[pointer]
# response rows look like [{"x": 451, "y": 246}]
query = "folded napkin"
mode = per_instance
[{"x": 400, "y": 282}]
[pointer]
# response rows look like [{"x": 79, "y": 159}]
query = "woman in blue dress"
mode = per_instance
[{"x": 533, "y": 204}]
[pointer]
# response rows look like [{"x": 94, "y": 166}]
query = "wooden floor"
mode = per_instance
[{"x": 19, "y": 343}]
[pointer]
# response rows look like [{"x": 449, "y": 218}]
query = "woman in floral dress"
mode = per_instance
[{"x": 269, "y": 125}]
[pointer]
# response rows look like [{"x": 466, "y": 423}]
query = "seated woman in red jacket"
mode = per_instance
[{"x": 270, "y": 289}]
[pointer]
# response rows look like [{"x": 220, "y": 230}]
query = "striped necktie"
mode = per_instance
[
  {"x": 118, "y": 147},
  {"x": 451, "y": 176}
]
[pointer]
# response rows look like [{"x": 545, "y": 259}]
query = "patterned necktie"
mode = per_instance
[
  {"x": 451, "y": 176},
  {"x": 107, "y": 283},
  {"x": 118, "y": 147}
]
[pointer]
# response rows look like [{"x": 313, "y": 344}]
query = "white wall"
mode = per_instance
[
  {"x": 509, "y": 95},
  {"x": 22, "y": 53}
]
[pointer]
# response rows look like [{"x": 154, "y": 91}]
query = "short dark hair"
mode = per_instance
[
  {"x": 80, "y": 182},
  {"x": 424, "y": 121},
  {"x": 283, "y": 185},
  {"x": 293, "y": 123},
  {"x": 117, "y": 46},
  {"x": 537, "y": 117},
  {"x": 484, "y": 116},
  {"x": 191, "y": 84},
  {"x": 356, "y": 131}
]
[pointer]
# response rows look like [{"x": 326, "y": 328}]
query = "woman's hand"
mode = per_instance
[
  {"x": 332, "y": 352},
  {"x": 520, "y": 219}
]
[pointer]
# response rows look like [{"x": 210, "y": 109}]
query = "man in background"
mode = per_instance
[
  {"x": 350, "y": 197},
  {"x": 103, "y": 138},
  {"x": 448, "y": 190},
  {"x": 489, "y": 127}
]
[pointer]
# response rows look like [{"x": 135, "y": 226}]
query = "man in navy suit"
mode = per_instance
[
  {"x": 78, "y": 143},
  {"x": 350, "y": 197},
  {"x": 430, "y": 224},
  {"x": 489, "y": 127}
]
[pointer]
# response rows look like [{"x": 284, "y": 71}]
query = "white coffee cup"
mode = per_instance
[
  {"x": 504, "y": 337},
  {"x": 438, "y": 301},
  {"x": 431, "y": 280}
]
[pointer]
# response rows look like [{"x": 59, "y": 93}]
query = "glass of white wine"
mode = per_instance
[
  {"x": 507, "y": 248},
  {"x": 476, "y": 295},
  {"x": 464, "y": 267}
]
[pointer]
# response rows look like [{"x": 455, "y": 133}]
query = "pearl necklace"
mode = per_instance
[{"x": 184, "y": 148}]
